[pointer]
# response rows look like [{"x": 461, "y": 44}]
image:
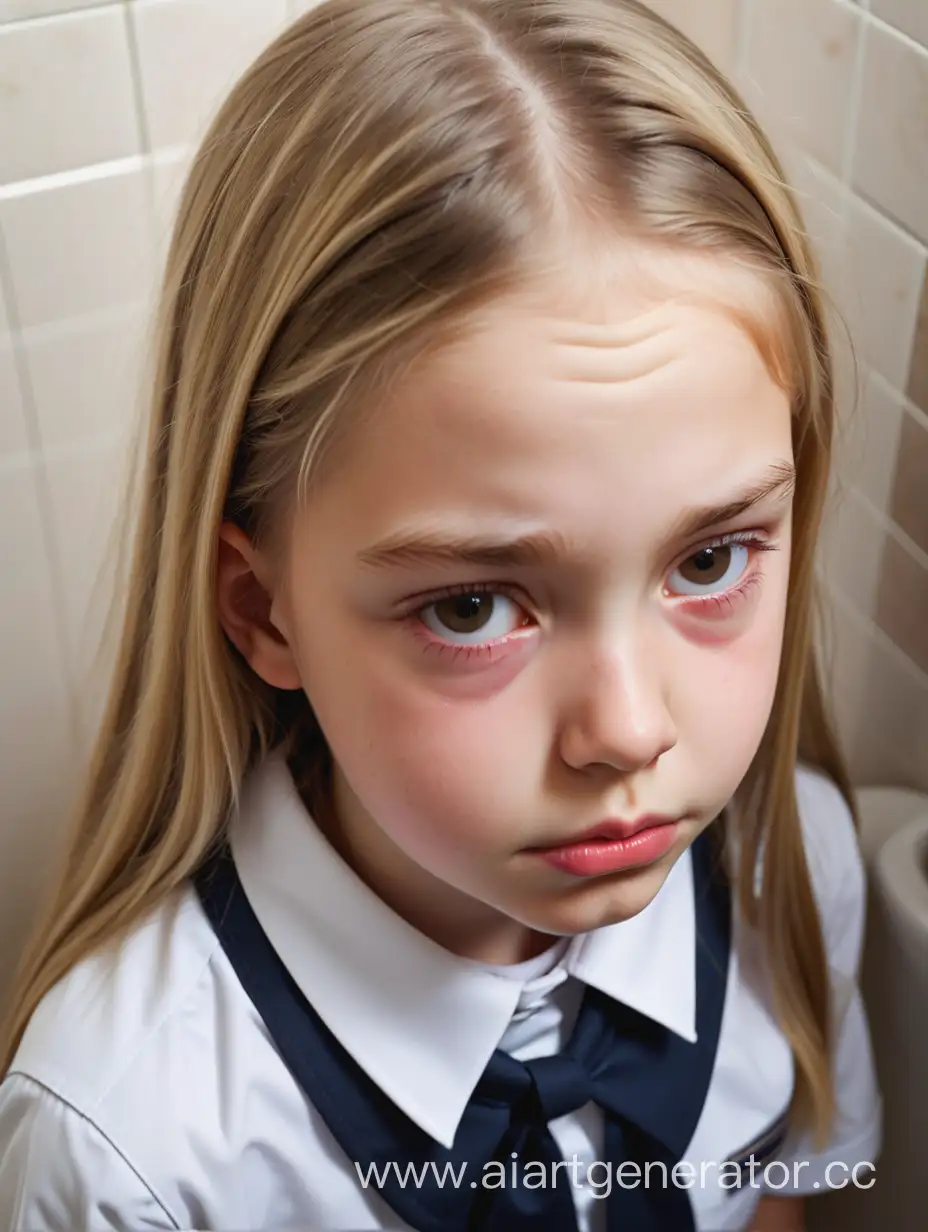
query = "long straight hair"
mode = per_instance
[{"x": 383, "y": 168}]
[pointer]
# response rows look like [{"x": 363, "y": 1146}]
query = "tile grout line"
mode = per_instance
[
  {"x": 89, "y": 173},
  {"x": 848, "y": 192},
  {"x": 43, "y": 486},
  {"x": 141, "y": 118},
  {"x": 743, "y": 15},
  {"x": 886, "y": 27},
  {"x": 868, "y": 626},
  {"x": 855, "y": 110},
  {"x": 887, "y": 524},
  {"x": 45, "y": 19},
  {"x": 138, "y": 93},
  {"x": 887, "y": 387}
]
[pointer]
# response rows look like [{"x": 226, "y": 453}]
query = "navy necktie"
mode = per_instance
[{"x": 650, "y": 1083}]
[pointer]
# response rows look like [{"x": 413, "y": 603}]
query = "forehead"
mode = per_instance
[{"x": 577, "y": 399}]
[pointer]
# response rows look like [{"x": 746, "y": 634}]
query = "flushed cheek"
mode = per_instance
[
  {"x": 443, "y": 776},
  {"x": 728, "y": 704}
]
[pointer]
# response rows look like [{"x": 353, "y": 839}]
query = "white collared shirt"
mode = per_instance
[{"x": 146, "y": 1093}]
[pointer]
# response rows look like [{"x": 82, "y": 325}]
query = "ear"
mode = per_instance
[{"x": 245, "y": 600}]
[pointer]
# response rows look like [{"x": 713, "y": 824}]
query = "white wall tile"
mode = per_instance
[
  {"x": 711, "y": 24},
  {"x": 822, "y": 199},
  {"x": 169, "y": 172},
  {"x": 852, "y": 551},
  {"x": 86, "y": 379},
  {"x": 67, "y": 97},
  {"x": 909, "y": 15},
  {"x": 892, "y": 738},
  {"x": 17, "y": 10},
  {"x": 79, "y": 248},
  {"x": 85, "y": 490},
  {"x": 798, "y": 71},
  {"x": 868, "y": 440},
  {"x": 191, "y": 52},
  {"x": 883, "y": 286},
  {"x": 36, "y": 748},
  {"x": 13, "y": 434},
  {"x": 891, "y": 155},
  {"x": 844, "y": 650}
]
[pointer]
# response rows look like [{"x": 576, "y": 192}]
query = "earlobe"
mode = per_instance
[{"x": 245, "y": 604}]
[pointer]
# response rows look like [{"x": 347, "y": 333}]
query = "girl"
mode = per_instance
[{"x": 444, "y": 861}]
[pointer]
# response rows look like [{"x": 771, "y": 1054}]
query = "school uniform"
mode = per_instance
[{"x": 150, "y": 1093}]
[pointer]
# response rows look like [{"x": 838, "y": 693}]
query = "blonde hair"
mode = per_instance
[{"x": 385, "y": 166}]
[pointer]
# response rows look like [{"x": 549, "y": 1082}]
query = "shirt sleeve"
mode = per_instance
[
  {"x": 59, "y": 1173},
  {"x": 839, "y": 883}
]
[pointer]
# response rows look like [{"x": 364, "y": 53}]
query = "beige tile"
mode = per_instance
[
  {"x": 851, "y": 551},
  {"x": 843, "y": 650},
  {"x": 34, "y": 717},
  {"x": 17, "y": 10},
  {"x": 711, "y": 24},
  {"x": 909, "y": 501},
  {"x": 86, "y": 378},
  {"x": 868, "y": 442},
  {"x": 892, "y": 738},
  {"x": 902, "y": 604},
  {"x": 891, "y": 155},
  {"x": 80, "y": 248},
  {"x": 169, "y": 172},
  {"x": 65, "y": 94},
  {"x": 37, "y": 753},
  {"x": 14, "y": 437},
  {"x": 822, "y": 199},
  {"x": 191, "y": 52},
  {"x": 911, "y": 16},
  {"x": 918, "y": 372},
  {"x": 86, "y": 491},
  {"x": 798, "y": 71},
  {"x": 882, "y": 290}
]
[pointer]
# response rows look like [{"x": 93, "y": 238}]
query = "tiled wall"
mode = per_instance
[
  {"x": 100, "y": 104},
  {"x": 843, "y": 89}
]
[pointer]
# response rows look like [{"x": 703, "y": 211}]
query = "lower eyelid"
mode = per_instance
[
  {"x": 723, "y": 598},
  {"x": 486, "y": 651}
]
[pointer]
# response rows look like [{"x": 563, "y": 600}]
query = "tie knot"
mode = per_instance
[
  {"x": 549, "y": 1087},
  {"x": 561, "y": 1083}
]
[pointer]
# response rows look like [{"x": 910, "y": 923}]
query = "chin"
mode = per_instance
[{"x": 598, "y": 902}]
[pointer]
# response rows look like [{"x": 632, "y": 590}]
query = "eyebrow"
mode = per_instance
[{"x": 545, "y": 547}]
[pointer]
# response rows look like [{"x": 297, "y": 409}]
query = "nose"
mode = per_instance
[{"x": 618, "y": 715}]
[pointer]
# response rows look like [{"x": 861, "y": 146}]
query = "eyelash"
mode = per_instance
[{"x": 717, "y": 604}]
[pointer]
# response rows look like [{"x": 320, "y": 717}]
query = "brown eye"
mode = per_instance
[
  {"x": 472, "y": 618},
  {"x": 707, "y": 566},
  {"x": 465, "y": 613},
  {"x": 711, "y": 570}
]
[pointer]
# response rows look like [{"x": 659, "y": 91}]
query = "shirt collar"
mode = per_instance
[{"x": 420, "y": 1021}]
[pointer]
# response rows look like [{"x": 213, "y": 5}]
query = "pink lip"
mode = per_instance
[
  {"x": 613, "y": 845},
  {"x": 615, "y": 828}
]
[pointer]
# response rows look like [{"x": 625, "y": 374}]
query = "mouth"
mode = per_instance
[{"x": 613, "y": 845}]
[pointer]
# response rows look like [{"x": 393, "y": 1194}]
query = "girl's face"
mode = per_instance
[{"x": 543, "y": 589}]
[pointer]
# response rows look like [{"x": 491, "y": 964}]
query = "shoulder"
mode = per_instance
[
  {"x": 835, "y": 864},
  {"x": 59, "y": 1170},
  {"x": 129, "y": 1030},
  {"x": 90, "y": 1029}
]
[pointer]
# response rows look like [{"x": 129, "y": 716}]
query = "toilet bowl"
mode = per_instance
[{"x": 894, "y": 981}]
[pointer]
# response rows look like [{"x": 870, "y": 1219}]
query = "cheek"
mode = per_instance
[
  {"x": 440, "y": 775},
  {"x": 731, "y": 694}
]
